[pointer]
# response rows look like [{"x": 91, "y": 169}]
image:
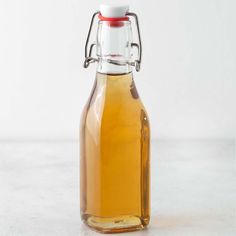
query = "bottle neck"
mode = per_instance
[
  {"x": 105, "y": 67},
  {"x": 114, "y": 47}
]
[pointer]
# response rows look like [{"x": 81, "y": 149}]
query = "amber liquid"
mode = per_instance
[{"x": 114, "y": 160}]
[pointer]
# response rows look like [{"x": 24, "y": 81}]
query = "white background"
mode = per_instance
[{"x": 187, "y": 81}]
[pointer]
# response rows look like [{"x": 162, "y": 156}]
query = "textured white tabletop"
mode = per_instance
[{"x": 193, "y": 189}]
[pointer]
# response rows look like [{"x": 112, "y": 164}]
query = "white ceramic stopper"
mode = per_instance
[{"x": 114, "y": 11}]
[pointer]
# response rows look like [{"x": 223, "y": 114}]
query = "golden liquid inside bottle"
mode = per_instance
[{"x": 114, "y": 159}]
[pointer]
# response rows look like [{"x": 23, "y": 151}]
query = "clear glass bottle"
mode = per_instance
[{"x": 115, "y": 134}]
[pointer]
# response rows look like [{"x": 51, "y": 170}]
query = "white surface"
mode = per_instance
[
  {"x": 193, "y": 189},
  {"x": 187, "y": 80},
  {"x": 113, "y": 11}
]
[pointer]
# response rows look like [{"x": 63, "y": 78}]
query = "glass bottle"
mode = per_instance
[{"x": 115, "y": 133}]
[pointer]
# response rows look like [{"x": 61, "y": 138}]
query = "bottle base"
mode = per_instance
[{"x": 117, "y": 224}]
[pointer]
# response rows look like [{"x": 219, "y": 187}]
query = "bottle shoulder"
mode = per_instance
[{"x": 115, "y": 99}]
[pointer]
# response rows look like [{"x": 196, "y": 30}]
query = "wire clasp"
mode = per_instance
[{"x": 88, "y": 49}]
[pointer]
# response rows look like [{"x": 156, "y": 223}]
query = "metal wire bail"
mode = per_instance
[
  {"x": 88, "y": 58},
  {"x": 88, "y": 53}
]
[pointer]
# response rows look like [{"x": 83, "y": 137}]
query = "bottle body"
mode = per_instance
[{"x": 114, "y": 156}]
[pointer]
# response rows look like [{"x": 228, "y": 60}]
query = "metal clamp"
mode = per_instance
[
  {"x": 88, "y": 54},
  {"x": 137, "y": 63}
]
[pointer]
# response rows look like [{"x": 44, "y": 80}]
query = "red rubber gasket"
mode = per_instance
[{"x": 103, "y": 18}]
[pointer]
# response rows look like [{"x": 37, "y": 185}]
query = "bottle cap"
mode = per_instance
[
  {"x": 113, "y": 11},
  {"x": 113, "y": 17}
]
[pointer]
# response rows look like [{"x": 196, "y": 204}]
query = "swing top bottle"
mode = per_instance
[{"x": 115, "y": 133}]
